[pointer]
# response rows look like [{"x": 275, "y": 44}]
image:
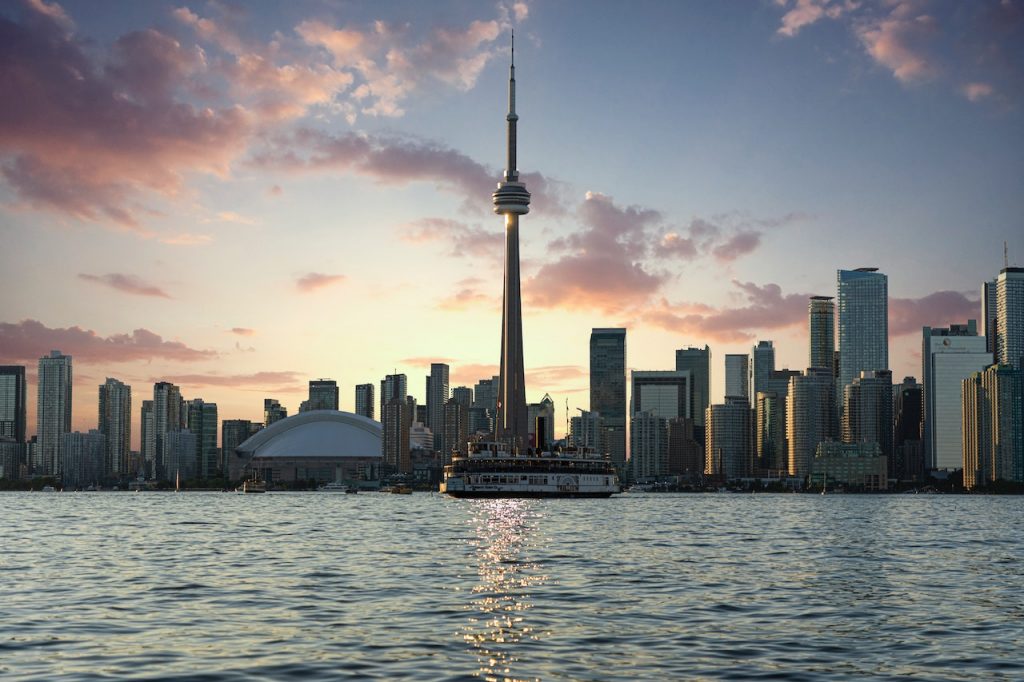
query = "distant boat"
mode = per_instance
[
  {"x": 49, "y": 489},
  {"x": 333, "y": 487},
  {"x": 252, "y": 485},
  {"x": 400, "y": 490}
]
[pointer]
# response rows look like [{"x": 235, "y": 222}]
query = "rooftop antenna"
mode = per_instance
[{"x": 1006, "y": 256}]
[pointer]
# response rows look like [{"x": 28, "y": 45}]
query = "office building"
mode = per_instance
[
  {"x": 273, "y": 411},
  {"x": 608, "y": 387},
  {"x": 908, "y": 448},
  {"x": 541, "y": 423},
  {"x": 397, "y": 420},
  {"x": 729, "y": 439},
  {"x": 648, "y": 450},
  {"x": 485, "y": 394},
  {"x": 685, "y": 453},
  {"x": 83, "y": 456},
  {"x": 1010, "y": 317},
  {"x": 948, "y": 356},
  {"x": 810, "y": 417},
  {"x": 393, "y": 386},
  {"x": 993, "y": 426},
  {"x": 762, "y": 365},
  {"x": 456, "y": 428},
  {"x": 863, "y": 300},
  {"x": 12, "y": 458},
  {"x": 115, "y": 423},
  {"x": 587, "y": 430},
  {"x": 663, "y": 393},
  {"x": 53, "y": 413},
  {"x": 234, "y": 432},
  {"x": 854, "y": 466},
  {"x": 202, "y": 421},
  {"x": 181, "y": 455},
  {"x": 147, "y": 431},
  {"x": 697, "y": 361},
  {"x": 867, "y": 412},
  {"x": 364, "y": 401},
  {"x": 737, "y": 377},
  {"x": 12, "y": 403},
  {"x": 169, "y": 415},
  {"x": 437, "y": 395},
  {"x": 770, "y": 430},
  {"x": 989, "y": 315},
  {"x": 323, "y": 395},
  {"x": 821, "y": 320}
]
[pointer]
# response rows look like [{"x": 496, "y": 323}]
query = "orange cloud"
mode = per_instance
[{"x": 315, "y": 281}]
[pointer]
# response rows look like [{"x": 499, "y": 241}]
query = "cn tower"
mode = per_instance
[{"x": 511, "y": 200}]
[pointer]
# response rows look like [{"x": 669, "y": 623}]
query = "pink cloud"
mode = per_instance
[
  {"x": 900, "y": 41},
  {"x": 28, "y": 340},
  {"x": 243, "y": 331},
  {"x": 463, "y": 239},
  {"x": 425, "y": 361},
  {"x": 470, "y": 373},
  {"x": 261, "y": 380},
  {"x": 976, "y": 92},
  {"x": 737, "y": 245},
  {"x": 315, "y": 281},
  {"x": 129, "y": 284},
  {"x": 939, "y": 309},
  {"x": 468, "y": 295}
]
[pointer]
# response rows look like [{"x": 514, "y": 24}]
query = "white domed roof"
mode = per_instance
[{"x": 317, "y": 433}]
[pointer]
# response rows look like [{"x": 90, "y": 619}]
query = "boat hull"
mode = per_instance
[{"x": 492, "y": 494}]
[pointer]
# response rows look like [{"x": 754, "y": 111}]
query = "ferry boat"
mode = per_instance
[
  {"x": 333, "y": 487},
  {"x": 492, "y": 470}
]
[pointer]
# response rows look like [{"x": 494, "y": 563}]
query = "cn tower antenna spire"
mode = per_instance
[{"x": 511, "y": 172}]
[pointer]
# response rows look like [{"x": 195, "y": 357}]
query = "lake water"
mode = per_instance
[{"x": 303, "y": 586}]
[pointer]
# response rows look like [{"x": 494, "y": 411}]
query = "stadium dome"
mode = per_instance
[{"x": 317, "y": 434}]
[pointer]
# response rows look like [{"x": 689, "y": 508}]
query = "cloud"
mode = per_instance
[
  {"x": 520, "y": 11},
  {"x": 554, "y": 374},
  {"x": 260, "y": 380},
  {"x": 129, "y": 284},
  {"x": 976, "y": 92},
  {"x": 28, "y": 340},
  {"x": 232, "y": 217},
  {"x": 469, "y": 373},
  {"x": 463, "y": 239},
  {"x": 766, "y": 307},
  {"x": 425, "y": 361},
  {"x": 737, "y": 245},
  {"x": 900, "y": 41},
  {"x": 314, "y": 281},
  {"x": 242, "y": 331},
  {"x": 938, "y": 309},
  {"x": 186, "y": 239},
  {"x": 468, "y": 295},
  {"x": 806, "y": 12}
]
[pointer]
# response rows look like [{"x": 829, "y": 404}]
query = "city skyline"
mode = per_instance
[{"x": 302, "y": 235}]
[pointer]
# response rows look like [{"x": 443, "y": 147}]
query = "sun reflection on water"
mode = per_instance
[{"x": 506, "y": 532}]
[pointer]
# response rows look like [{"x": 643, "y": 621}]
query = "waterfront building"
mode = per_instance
[
  {"x": 587, "y": 430},
  {"x": 762, "y": 365},
  {"x": 541, "y": 422},
  {"x": 810, "y": 417},
  {"x": 323, "y": 395},
  {"x": 664, "y": 393},
  {"x": 648, "y": 447},
  {"x": 53, "y": 409},
  {"x": 863, "y": 299},
  {"x": 12, "y": 457},
  {"x": 273, "y": 411},
  {"x": 685, "y": 452},
  {"x": 12, "y": 403},
  {"x": 856, "y": 466},
  {"x": 83, "y": 456},
  {"x": 456, "y": 428},
  {"x": 993, "y": 426},
  {"x": 364, "y": 400},
  {"x": 770, "y": 430},
  {"x": 1010, "y": 317},
  {"x": 737, "y": 376},
  {"x": 201, "y": 419},
  {"x": 437, "y": 395},
  {"x": 908, "y": 448},
  {"x": 234, "y": 432},
  {"x": 821, "y": 320},
  {"x": 948, "y": 356},
  {"x": 115, "y": 422},
  {"x": 697, "y": 361},
  {"x": 608, "y": 387},
  {"x": 393, "y": 386},
  {"x": 147, "y": 431},
  {"x": 511, "y": 200},
  {"x": 989, "y": 315},
  {"x": 168, "y": 416},
  {"x": 181, "y": 455},
  {"x": 397, "y": 420},
  {"x": 322, "y": 446},
  {"x": 729, "y": 439},
  {"x": 867, "y": 412}
]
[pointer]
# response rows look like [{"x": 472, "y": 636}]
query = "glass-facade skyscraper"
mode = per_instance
[
  {"x": 323, "y": 394},
  {"x": 12, "y": 402},
  {"x": 762, "y": 366},
  {"x": 698, "y": 362},
  {"x": 437, "y": 395},
  {"x": 737, "y": 376},
  {"x": 1009, "y": 345},
  {"x": 863, "y": 299},
  {"x": 364, "y": 400},
  {"x": 115, "y": 422},
  {"x": 53, "y": 414},
  {"x": 821, "y": 320},
  {"x": 608, "y": 387}
]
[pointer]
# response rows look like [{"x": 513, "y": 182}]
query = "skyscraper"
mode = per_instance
[
  {"x": 115, "y": 422},
  {"x": 234, "y": 432},
  {"x": 393, "y": 386},
  {"x": 511, "y": 200},
  {"x": 763, "y": 365},
  {"x": 648, "y": 448},
  {"x": 53, "y": 413},
  {"x": 907, "y": 444},
  {"x": 729, "y": 439},
  {"x": 663, "y": 393},
  {"x": 364, "y": 400},
  {"x": 770, "y": 430},
  {"x": 323, "y": 394},
  {"x": 810, "y": 417},
  {"x": 1010, "y": 317},
  {"x": 863, "y": 296},
  {"x": 437, "y": 396},
  {"x": 147, "y": 431},
  {"x": 867, "y": 413},
  {"x": 737, "y": 375},
  {"x": 989, "y": 315},
  {"x": 541, "y": 422},
  {"x": 821, "y": 320},
  {"x": 456, "y": 427},
  {"x": 993, "y": 426},
  {"x": 273, "y": 411},
  {"x": 396, "y": 421},
  {"x": 12, "y": 402},
  {"x": 168, "y": 417},
  {"x": 202, "y": 421},
  {"x": 587, "y": 430},
  {"x": 82, "y": 457},
  {"x": 948, "y": 356},
  {"x": 698, "y": 362},
  {"x": 608, "y": 387}
]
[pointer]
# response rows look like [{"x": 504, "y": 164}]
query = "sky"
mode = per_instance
[{"x": 240, "y": 197}]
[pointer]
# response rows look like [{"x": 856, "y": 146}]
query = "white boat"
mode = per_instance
[
  {"x": 333, "y": 487},
  {"x": 49, "y": 489},
  {"x": 492, "y": 470},
  {"x": 252, "y": 485}
]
